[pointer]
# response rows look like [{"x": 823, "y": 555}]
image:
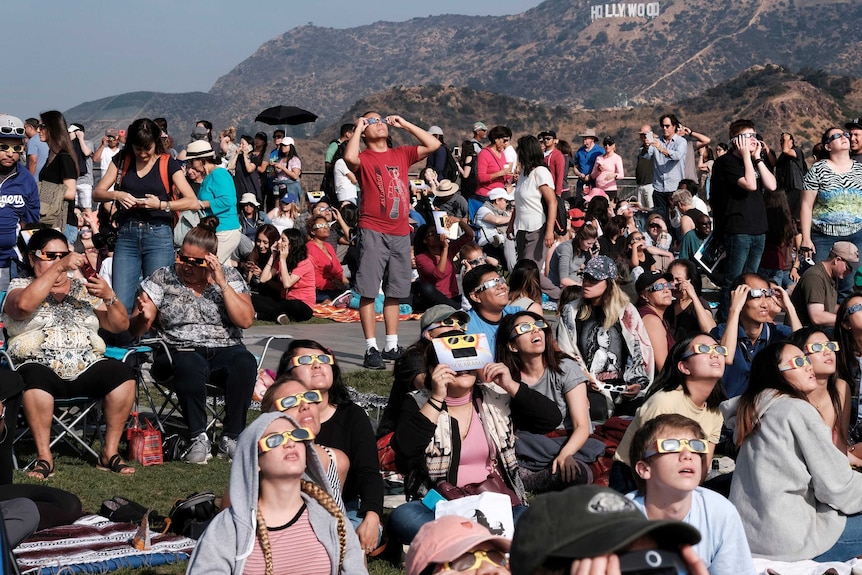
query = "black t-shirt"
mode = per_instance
[
  {"x": 736, "y": 211},
  {"x": 62, "y": 167},
  {"x": 151, "y": 183}
]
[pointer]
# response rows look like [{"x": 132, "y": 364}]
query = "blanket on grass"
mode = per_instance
[
  {"x": 95, "y": 545},
  {"x": 348, "y": 315}
]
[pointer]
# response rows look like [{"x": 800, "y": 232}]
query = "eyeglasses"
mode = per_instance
[
  {"x": 796, "y": 363},
  {"x": 473, "y": 559},
  {"x": 661, "y": 286},
  {"x": 49, "y": 256},
  {"x": 818, "y": 347},
  {"x": 491, "y": 283},
  {"x": 702, "y": 348},
  {"x": 11, "y": 130},
  {"x": 759, "y": 293},
  {"x": 837, "y": 136},
  {"x": 273, "y": 440},
  {"x": 310, "y": 396},
  {"x": 370, "y": 121},
  {"x": 857, "y": 307},
  {"x": 15, "y": 148},
  {"x": 319, "y": 226},
  {"x": 527, "y": 327},
  {"x": 190, "y": 261},
  {"x": 676, "y": 446},
  {"x": 322, "y": 358}
]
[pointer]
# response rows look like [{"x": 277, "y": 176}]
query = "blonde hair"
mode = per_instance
[
  {"x": 230, "y": 133},
  {"x": 326, "y": 501},
  {"x": 613, "y": 302}
]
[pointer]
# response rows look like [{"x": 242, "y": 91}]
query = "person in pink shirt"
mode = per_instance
[
  {"x": 607, "y": 170},
  {"x": 435, "y": 254},
  {"x": 328, "y": 274},
  {"x": 292, "y": 267},
  {"x": 492, "y": 168}
]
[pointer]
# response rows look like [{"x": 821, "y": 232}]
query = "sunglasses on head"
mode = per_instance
[
  {"x": 823, "y": 346},
  {"x": 49, "y": 256},
  {"x": 759, "y": 293},
  {"x": 676, "y": 446},
  {"x": 701, "y": 348},
  {"x": 310, "y": 359},
  {"x": 796, "y": 363},
  {"x": 15, "y": 148},
  {"x": 190, "y": 261},
  {"x": 7, "y": 130},
  {"x": 527, "y": 327},
  {"x": 491, "y": 283},
  {"x": 273, "y": 440},
  {"x": 310, "y": 396},
  {"x": 473, "y": 559}
]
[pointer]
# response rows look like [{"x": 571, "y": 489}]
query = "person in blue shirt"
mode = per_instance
[
  {"x": 749, "y": 329},
  {"x": 585, "y": 159},
  {"x": 19, "y": 194},
  {"x": 668, "y": 153},
  {"x": 489, "y": 296}
]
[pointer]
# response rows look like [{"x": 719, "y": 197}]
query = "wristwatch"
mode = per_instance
[{"x": 168, "y": 206}]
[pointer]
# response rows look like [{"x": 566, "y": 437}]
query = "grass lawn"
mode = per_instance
[{"x": 159, "y": 486}]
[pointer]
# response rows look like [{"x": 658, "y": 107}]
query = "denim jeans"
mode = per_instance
[
  {"x": 141, "y": 246},
  {"x": 743, "y": 256},
  {"x": 406, "y": 519},
  {"x": 355, "y": 520},
  {"x": 661, "y": 204},
  {"x": 781, "y": 277},
  {"x": 822, "y": 245},
  {"x": 848, "y": 545}
]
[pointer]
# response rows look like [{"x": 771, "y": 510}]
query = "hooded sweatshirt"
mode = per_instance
[
  {"x": 792, "y": 486},
  {"x": 229, "y": 538}
]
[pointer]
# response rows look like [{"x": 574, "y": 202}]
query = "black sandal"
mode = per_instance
[
  {"x": 115, "y": 464},
  {"x": 42, "y": 469}
]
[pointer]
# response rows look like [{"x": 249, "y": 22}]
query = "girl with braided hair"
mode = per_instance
[{"x": 282, "y": 518}]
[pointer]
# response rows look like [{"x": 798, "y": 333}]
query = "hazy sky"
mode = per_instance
[{"x": 72, "y": 52}]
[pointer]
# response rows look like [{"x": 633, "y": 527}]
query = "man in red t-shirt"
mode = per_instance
[
  {"x": 384, "y": 227},
  {"x": 555, "y": 160}
]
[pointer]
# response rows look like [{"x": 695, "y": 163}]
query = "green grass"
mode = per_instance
[{"x": 160, "y": 485}]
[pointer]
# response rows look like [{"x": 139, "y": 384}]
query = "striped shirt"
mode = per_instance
[
  {"x": 295, "y": 549},
  {"x": 838, "y": 206}
]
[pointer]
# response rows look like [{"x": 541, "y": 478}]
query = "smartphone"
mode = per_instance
[
  {"x": 652, "y": 562},
  {"x": 87, "y": 270},
  {"x": 650, "y": 136},
  {"x": 456, "y": 151}
]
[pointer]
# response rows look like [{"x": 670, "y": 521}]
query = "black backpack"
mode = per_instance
[
  {"x": 450, "y": 170},
  {"x": 190, "y": 516}
]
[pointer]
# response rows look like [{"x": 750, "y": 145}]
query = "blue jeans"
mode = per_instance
[
  {"x": 822, "y": 245},
  {"x": 743, "y": 256},
  {"x": 781, "y": 277},
  {"x": 406, "y": 520},
  {"x": 141, "y": 246},
  {"x": 355, "y": 520},
  {"x": 661, "y": 201},
  {"x": 848, "y": 545}
]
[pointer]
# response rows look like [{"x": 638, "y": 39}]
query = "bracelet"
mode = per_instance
[
  {"x": 438, "y": 409},
  {"x": 111, "y": 301}
]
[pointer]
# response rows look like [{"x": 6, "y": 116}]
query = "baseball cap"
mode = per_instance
[
  {"x": 846, "y": 251},
  {"x": 855, "y": 123},
  {"x": 498, "y": 193},
  {"x": 586, "y": 521},
  {"x": 601, "y": 268},
  {"x": 74, "y": 128},
  {"x": 440, "y": 312},
  {"x": 289, "y": 198},
  {"x": 550, "y": 133},
  {"x": 608, "y": 141},
  {"x": 287, "y": 142},
  {"x": 11, "y": 127},
  {"x": 435, "y": 131},
  {"x": 111, "y": 133},
  {"x": 646, "y": 279},
  {"x": 445, "y": 539},
  {"x": 480, "y": 126},
  {"x": 577, "y": 217},
  {"x": 199, "y": 132}
]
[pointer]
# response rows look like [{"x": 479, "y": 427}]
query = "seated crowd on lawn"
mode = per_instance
[{"x": 610, "y": 365}]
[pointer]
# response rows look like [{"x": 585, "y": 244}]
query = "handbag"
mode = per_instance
[
  {"x": 52, "y": 204},
  {"x": 494, "y": 483},
  {"x": 145, "y": 444},
  {"x": 385, "y": 453}
]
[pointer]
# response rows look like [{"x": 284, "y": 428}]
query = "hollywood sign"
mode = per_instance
[{"x": 624, "y": 10}]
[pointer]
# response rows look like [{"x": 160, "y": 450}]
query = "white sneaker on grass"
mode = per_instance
[{"x": 200, "y": 450}]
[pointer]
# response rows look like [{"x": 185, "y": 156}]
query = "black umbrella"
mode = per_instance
[{"x": 290, "y": 115}]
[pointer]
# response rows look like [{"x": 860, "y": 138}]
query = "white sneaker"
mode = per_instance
[
  {"x": 226, "y": 448},
  {"x": 283, "y": 319},
  {"x": 200, "y": 450}
]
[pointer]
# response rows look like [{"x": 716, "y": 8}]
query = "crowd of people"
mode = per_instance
[{"x": 592, "y": 304}]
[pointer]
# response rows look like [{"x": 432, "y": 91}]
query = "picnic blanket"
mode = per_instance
[
  {"x": 348, "y": 315},
  {"x": 95, "y": 545}
]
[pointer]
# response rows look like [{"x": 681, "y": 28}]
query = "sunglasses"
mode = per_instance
[
  {"x": 667, "y": 126},
  {"x": 527, "y": 327},
  {"x": 837, "y": 136},
  {"x": 273, "y": 440},
  {"x": 449, "y": 322},
  {"x": 661, "y": 286},
  {"x": 491, "y": 283},
  {"x": 190, "y": 261},
  {"x": 285, "y": 403},
  {"x": 546, "y": 138},
  {"x": 311, "y": 359},
  {"x": 702, "y": 348},
  {"x": 473, "y": 559},
  {"x": 655, "y": 225},
  {"x": 111, "y": 138},
  {"x": 370, "y": 121},
  {"x": 41, "y": 126},
  {"x": 796, "y": 363},
  {"x": 676, "y": 446},
  {"x": 319, "y": 226},
  {"x": 505, "y": 139},
  {"x": 759, "y": 293},
  {"x": 49, "y": 256},
  {"x": 857, "y": 307},
  {"x": 7, "y": 130},
  {"x": 818, "y": 347},
  {"x": 16, "y": 148}
]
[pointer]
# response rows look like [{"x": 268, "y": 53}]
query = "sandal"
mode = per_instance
[
  {"x": 41, "y": 470},
  {"x": 115, "y": 464}
]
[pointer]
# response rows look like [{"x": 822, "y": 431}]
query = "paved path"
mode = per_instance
[{"x": 345, "y": 340}]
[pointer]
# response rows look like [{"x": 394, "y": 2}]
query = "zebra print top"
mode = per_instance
[{"x": 838, "y": 205}]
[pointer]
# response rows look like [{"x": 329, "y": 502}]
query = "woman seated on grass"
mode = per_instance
[{"x": 282, "y": 518}]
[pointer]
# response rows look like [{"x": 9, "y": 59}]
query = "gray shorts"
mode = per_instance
[{"x": 383, "y": 257}]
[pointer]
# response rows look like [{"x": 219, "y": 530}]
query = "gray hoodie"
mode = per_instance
[
  {"x": 229, "y": 539},
  {"x": 792, "y": 486}
]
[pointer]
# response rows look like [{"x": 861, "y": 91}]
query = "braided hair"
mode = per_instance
[
  {"x": 263, "y": 537},
  {"x": 328, "y": 503}
]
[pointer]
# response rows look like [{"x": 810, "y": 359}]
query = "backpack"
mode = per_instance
[
  {"x": 450, "y": 170},
  {"x": 171, "y": 190},
  {"x": 190, "y": 516}
]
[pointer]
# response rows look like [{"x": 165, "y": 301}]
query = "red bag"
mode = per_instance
[
  {"x": 385, "y": 453},
  {"x": 145, "y": 445}
]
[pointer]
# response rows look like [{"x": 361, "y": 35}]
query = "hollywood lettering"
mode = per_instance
[{"x": 624, "y": 10}]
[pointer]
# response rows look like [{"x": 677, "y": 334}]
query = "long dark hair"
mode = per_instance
[
  {"x": 57, "y": 135},
  {"x": 848, "y": 367},
  {"x": 530, "y": 154},
  {"x": 338, "y": 393},
  {"x": 296, "y": 246},
  {"x": 143, "y": 133},
  {"x": 525, "y": 281},
  {"x": 670, "y": 378},
  {"x": 598, "y": 209},
  {"x": 764, "y": 376},
  {"x": 777, "y": 200},
  {"x": 799, "y": 339},
  {"x": 551, "y": 357},
  {"x": 691, "y": 271}
]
